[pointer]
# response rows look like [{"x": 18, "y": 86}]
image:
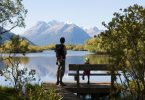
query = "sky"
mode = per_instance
[{"x": 84, "y": 13}]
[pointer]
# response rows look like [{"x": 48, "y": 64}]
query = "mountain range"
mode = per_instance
[
  {"x": 93, "y": 31},
  {"x": 43, "y": 33}
]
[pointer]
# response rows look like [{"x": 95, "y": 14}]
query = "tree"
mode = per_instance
[
  {"x": 18, "y": 75},
  {"x": 124, "y": 39},
  {"x": 12, "y": 14},
  {"x": 94, "y": 44},
  {"x": 18, "y": 45},
  {"x": 15, "y": 45}
]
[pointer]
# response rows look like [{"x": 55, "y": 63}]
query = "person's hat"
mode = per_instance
[{"x": 86, "y": 60}]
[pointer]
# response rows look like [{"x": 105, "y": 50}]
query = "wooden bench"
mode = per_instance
[{"x": 74, "y": 70}]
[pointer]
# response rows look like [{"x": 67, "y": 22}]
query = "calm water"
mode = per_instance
[{"x": 45, "y": 64}]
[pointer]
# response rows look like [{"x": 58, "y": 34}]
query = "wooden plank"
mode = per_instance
[
  {"x": 67, "y": 95},
  {"x": 82, "y": 67},
  {"x": 92, "y": 74},
  {"x": 100, "y": 67},
  {"x": 93, "y": 88},
  {"x": 90, "y": 90}
]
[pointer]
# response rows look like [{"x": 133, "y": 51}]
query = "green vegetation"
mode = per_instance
[
  {"x": 8, "y": 93},
  {"x": 125, "y": 42},
  {"x": 33, "y": 92},
  {"x": 78, "y": 48},
  {"x": 16, "y": 45},
  {"x": 36, "y": 92},
  {"x": 94, "y": 45},
  {"x": 19, "y": 45},
  {"x": 98, "y": 59}
]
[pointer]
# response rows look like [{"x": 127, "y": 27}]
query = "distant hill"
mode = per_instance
[
  {"x": 6, "y": 37},
  {"x": 49, "y": 33}
]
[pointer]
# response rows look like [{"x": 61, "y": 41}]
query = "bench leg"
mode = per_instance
[{"x": 78, "y": 79}]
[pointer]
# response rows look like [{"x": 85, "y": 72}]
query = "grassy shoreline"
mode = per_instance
[{"x": 35, "y": 49}]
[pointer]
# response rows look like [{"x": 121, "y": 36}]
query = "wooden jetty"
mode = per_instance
[
  {"x": 92, "y": 88},
  {"x": 72, "y": 92},
  {"x": 66, "y": 95}
]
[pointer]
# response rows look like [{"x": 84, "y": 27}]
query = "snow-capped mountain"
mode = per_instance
[
  {"x": 93, "y": 31},
  {"x": 49, "y": 33}
]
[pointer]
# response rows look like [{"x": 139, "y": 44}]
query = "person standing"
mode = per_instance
[{"x": 61, "y": 52}]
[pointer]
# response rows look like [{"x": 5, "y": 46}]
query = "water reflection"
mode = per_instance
[
  {"x": 22, "y": 60},
  {"x": 46, "y": 67},
  {"x": 98, "y": 59}
]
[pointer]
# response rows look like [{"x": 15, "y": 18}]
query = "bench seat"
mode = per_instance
[{"x": 93, "y": 74}]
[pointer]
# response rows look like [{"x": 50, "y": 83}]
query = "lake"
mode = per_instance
[{"x": 45, "y": 65}]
